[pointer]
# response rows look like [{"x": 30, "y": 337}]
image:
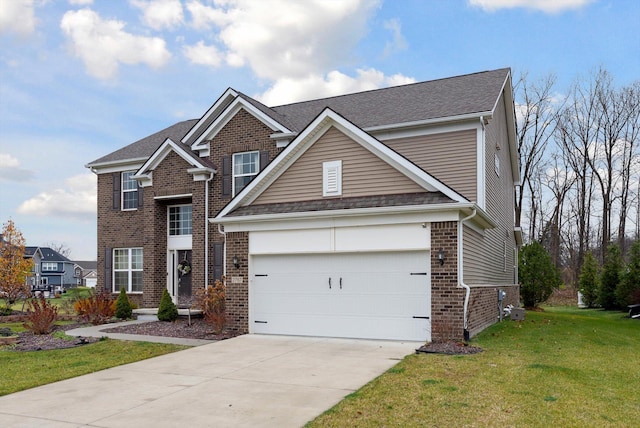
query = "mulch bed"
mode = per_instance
[
  {"x": 198, "y": 329},
  {"x": 448, "y": 348},
  {"x": 28, "y": 341}
]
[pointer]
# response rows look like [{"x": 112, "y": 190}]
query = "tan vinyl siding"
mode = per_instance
[
  {"x": 450, "y": 157},
  {"x": 363, "y": 173},
  {"x": 484, "y": 255}
]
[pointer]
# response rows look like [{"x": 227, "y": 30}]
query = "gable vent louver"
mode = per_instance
[{"x": 332, "y": 178}]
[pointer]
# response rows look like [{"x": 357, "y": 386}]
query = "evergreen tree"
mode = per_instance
[
  {"x": 610, "y": 278},
  {"x": 628, "y": 291},
  {"x": 588, "y": 281},
  {"x": 537, "y": 274},
  {"x": 123, "y": 306},
  {"x": 167, "y": 310}
]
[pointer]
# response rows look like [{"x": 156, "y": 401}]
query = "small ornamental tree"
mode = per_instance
[
  {"x": 628, "y": 291},
  {"x": 588, "y": 281},
  {"x": 610, "y": 278},
  {"x": 123, "y": 306},
  {"x": 537, "y": 274},
  {"x": 167, "y": 311},
  {"x": 14, "y": 267}
]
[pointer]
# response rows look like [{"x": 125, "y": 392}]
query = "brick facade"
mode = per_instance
[
  {"x": 237, "y": 282},
  {"x": 483, "y": 305},
  {"x": 447, "y": 299}
]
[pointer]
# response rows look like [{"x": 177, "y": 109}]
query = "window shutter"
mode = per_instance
[
  {"x": 140, "y": 196},
  {"x": 108, "y": 284},
  {"x": 218, "y": 260},
  {"x": 116, "y": 190},
  {"x": 264, "y": 159},
  {"x": 332, "y": 178},
  {"x": 226, "y": 176}
]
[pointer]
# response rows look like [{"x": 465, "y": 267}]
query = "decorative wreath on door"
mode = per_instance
[{"x": 184, "y": 268}]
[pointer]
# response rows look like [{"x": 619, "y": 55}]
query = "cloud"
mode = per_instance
[
  {"x": 547, "y": 6},
  {"x": 160, "y": 14},
  {"x": 10, "y": 169},
  {"x": 283, "y": 38},
  {"x": 80, "y": 2},
  {"x": 16, "y": 16},
  {"x": 103, "y": 44},
  {"x": 399, "y": 42},
  {"x": 202, "y": 54},
  {"x": 287, "y": 90},
  {"x": 77, "y": 199}
]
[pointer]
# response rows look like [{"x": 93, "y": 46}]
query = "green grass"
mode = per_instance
[
  {"x": 63, "y": 302},
  {"x": 563, "y": 367},
  {"x": 24, "y": 370}
]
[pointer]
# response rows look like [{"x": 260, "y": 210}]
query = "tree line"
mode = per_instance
[{"x": 580, "y": 168}]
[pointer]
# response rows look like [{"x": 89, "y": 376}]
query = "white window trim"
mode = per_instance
[
  {"x": 49, "y": 266},
  {"x": 129, "y": 269},
  {"x": 332, "y": 178},
  {"x": 169, "y": 219},
  {"x": 123, "y": 191},
  {"x": 233, "y": 169}
]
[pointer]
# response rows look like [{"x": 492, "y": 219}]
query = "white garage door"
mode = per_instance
[{"x": 358, "y": 295}]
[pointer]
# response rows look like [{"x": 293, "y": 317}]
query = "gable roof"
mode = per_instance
[
  {"x": 50, "y": 255},
  {"x": 182, "y": 150},
  {"x": 143, "y": 148},
  {"x": 87, "y": 265},
  {"x": 309, "y": 136},
  {"x": 467, "y": 96}
]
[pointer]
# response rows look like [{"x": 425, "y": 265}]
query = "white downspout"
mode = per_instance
[
  {"x": 224, "y": 251},
  {"x": 461, "y": 274},
  {"x": 206, "y": 230}
]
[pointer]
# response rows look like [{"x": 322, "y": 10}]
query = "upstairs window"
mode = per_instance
[
  {"x": 180, "y": 220},
  {"x": 129, "y": 191},
  {"x": 245, "y": 167},
  {"x": 49, "y": 266}
]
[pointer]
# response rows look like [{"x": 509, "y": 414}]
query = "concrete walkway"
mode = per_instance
[
  {"x": 99, "y": 331},
  {"x": 247, "y": 381}
]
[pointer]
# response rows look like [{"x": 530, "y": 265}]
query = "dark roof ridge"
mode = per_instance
[{"x": 388, "y": 87}]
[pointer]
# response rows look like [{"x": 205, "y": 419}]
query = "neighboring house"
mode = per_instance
[
  {"x": 35, "y": 254},
  {"x": 55, "y": 270},
  {"x": 86, "y": 273},
  {"x": 385, "y": 214}
]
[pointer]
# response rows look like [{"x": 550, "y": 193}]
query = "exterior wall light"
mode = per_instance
[
  {"x": 441, "y": 256},
  {"x": 236, "y": 262}
]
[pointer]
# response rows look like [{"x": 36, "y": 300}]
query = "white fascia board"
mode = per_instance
[
  {"x": 420, "y": 131},
  {"x": 162, "y": 151},
  {"x": 116, "y": 166},
  {"x": 340, "y": 218},
  {"x": 202, "y": 174},
  {"x": 228, "y": 114},
  {"x": 428, "y": 122},
  {"x": 223, "y": 98},
  {"x": 507, "y": 91}
]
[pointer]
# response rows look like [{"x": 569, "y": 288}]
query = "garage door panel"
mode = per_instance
[{"x": 372, "y": 295}]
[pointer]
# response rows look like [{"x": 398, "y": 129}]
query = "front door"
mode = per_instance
[{"x": 179, "y": 284}]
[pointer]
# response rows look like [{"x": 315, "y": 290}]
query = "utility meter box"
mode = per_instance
[{"x": 517, "y": 314}]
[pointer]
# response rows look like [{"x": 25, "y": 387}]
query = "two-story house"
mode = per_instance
[
  {"x": 384, "y": 214},
  {"x": 52, "y": 270}
]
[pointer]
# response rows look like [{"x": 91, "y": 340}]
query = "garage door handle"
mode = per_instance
[
  {"x": 340, "y": 283},
  {"x": 329, "y": 283},
  {"x": 418, "y": 273}
]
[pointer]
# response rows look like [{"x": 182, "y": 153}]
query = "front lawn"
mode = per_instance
[
  {"x": 23, "y": 370},
  {"x": 562, "y": 367}
]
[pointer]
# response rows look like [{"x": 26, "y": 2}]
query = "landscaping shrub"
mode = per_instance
[
  {"x": 537, "y": 274},
  {"x": 167, "y": 310},
  {"x": 211, "y": 300},
  {"x": 41, "y": 315},
  {"x": 610, "y": 278},
  {"x": 588, "y": 281},
  {"x": 123, "y": 306},
  {"x": 98, "y": 308}
]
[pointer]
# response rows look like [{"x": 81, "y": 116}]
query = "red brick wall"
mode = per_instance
[
  {"x": 447, "y": 299},
  {"x": 483, "y": 306},
  {"x": 237, "y": 282}
]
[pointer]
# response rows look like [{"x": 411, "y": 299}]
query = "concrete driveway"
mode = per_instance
[{"x": 251, "y": 380}]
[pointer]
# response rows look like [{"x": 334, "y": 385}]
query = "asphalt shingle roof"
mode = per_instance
[
  {"x": 405, "y": 199},
  {"x": 453, "y": 96}
]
